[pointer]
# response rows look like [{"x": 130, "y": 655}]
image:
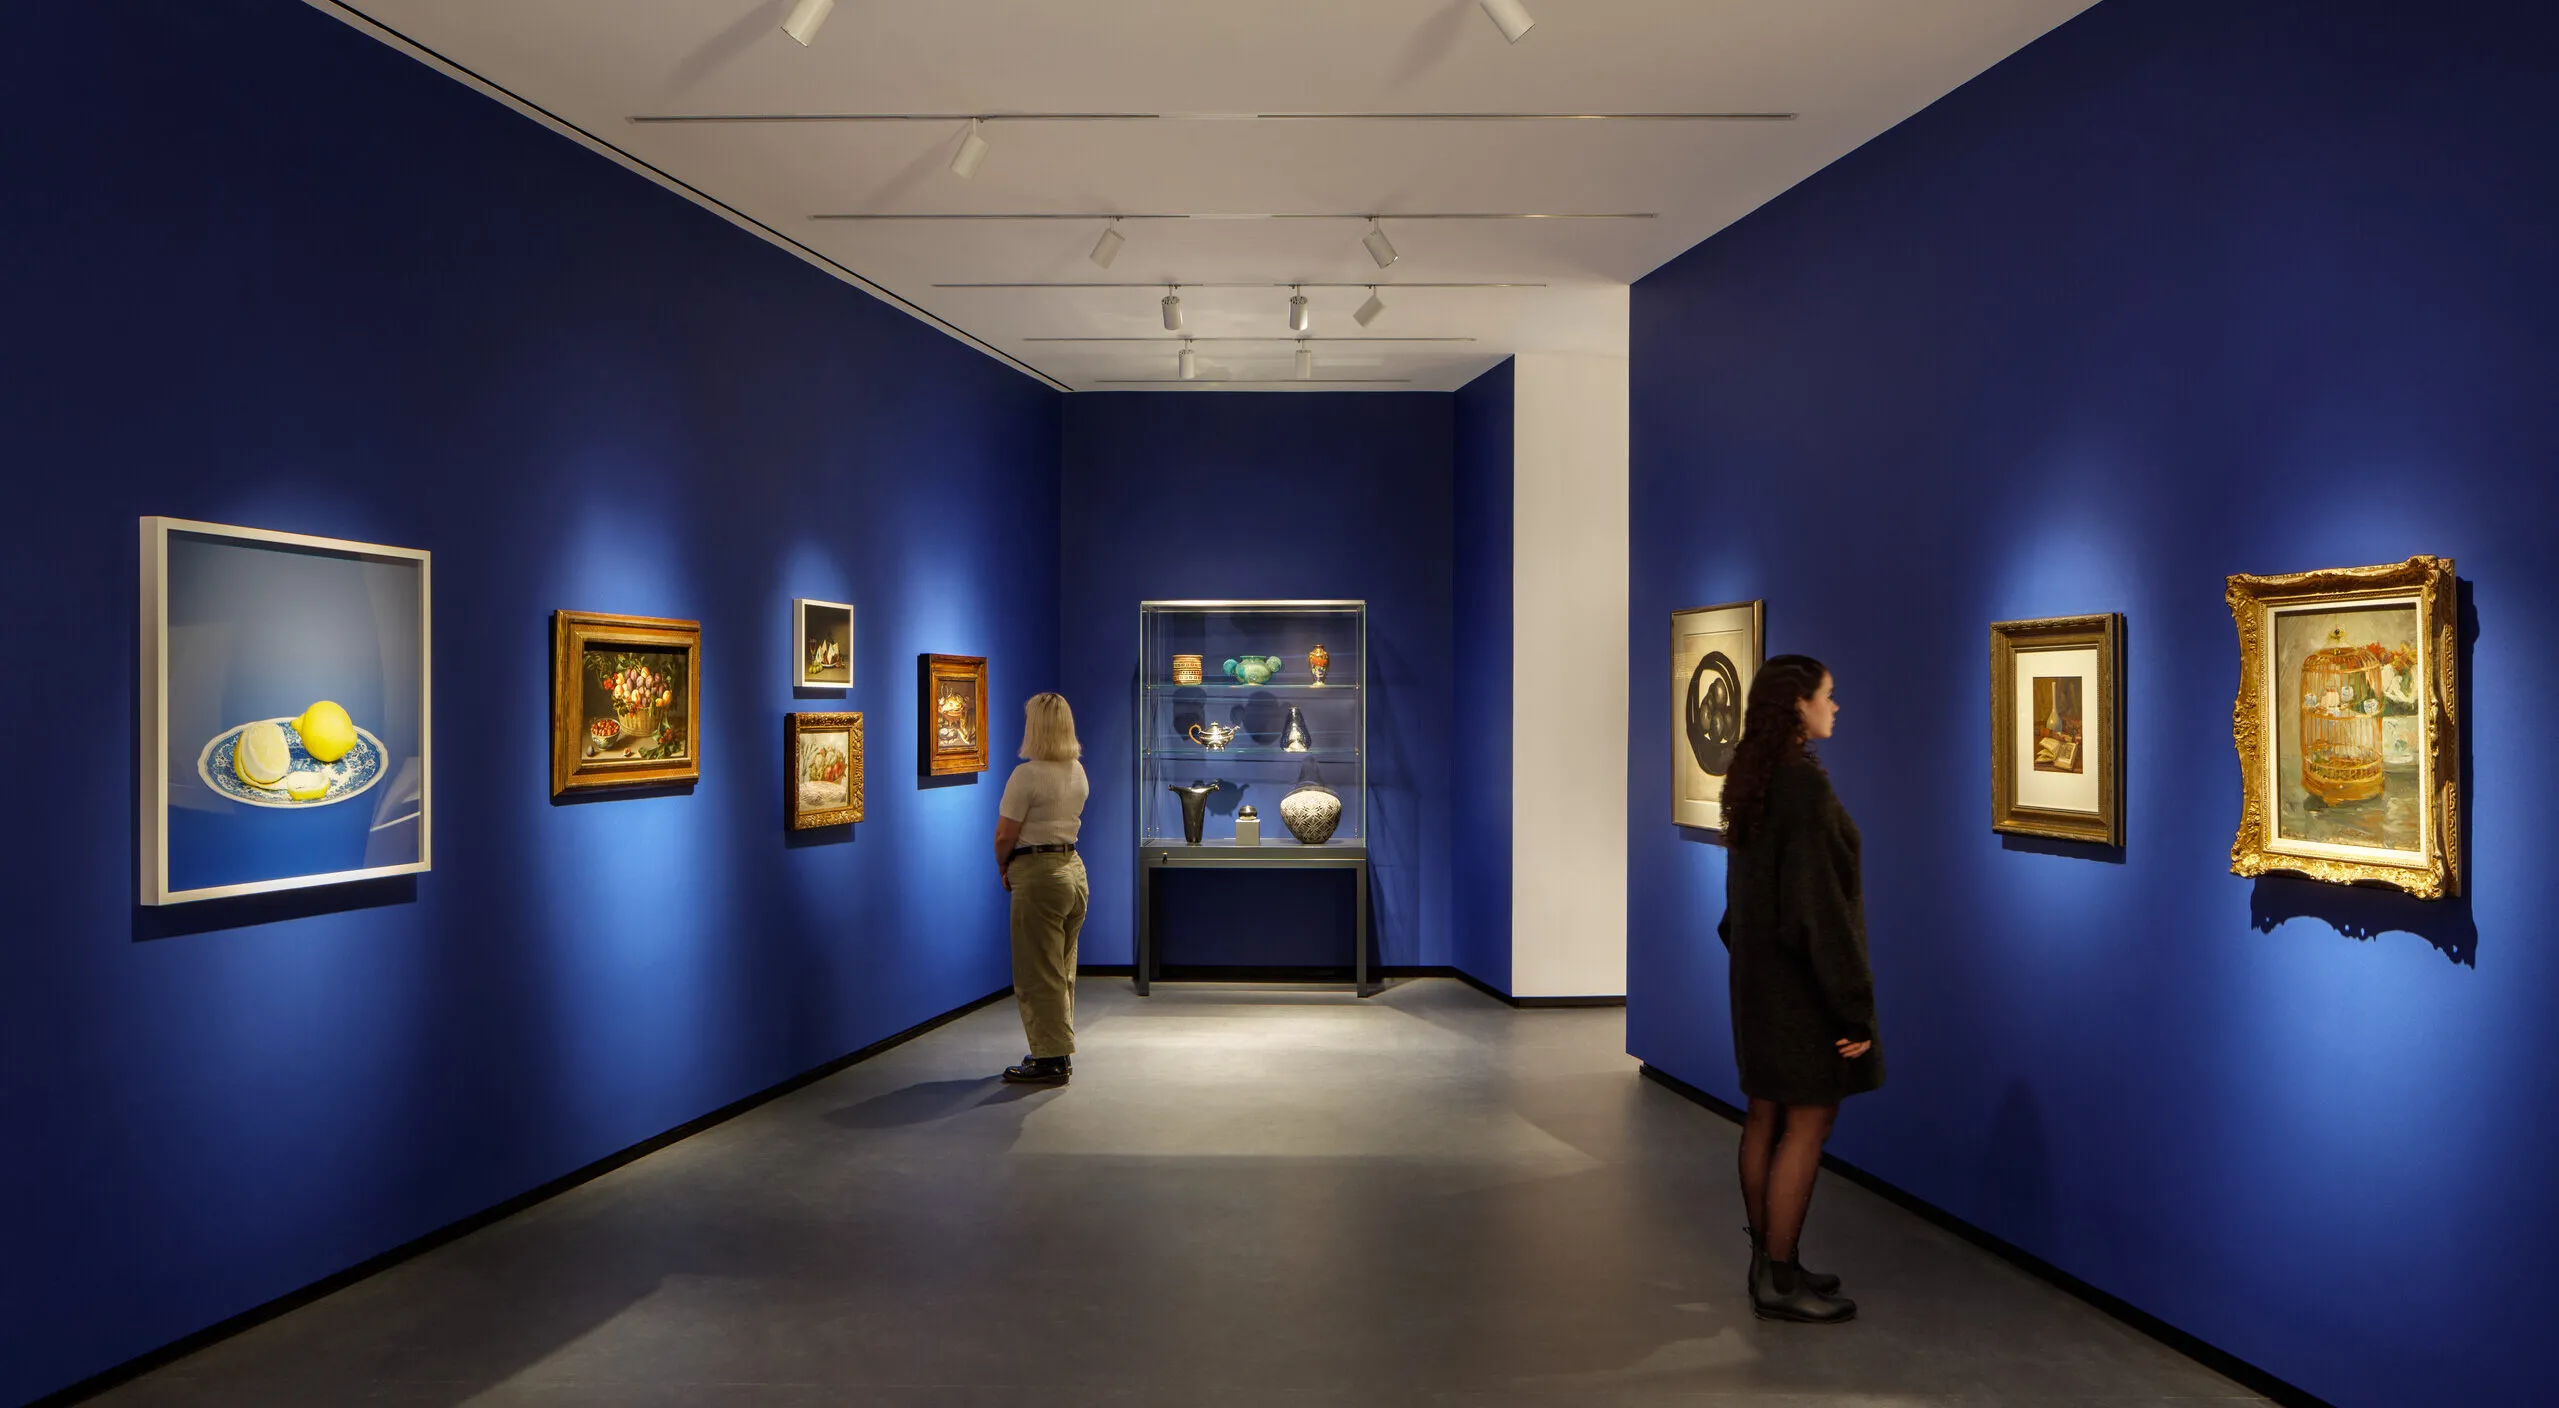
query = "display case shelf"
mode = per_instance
[{"x": 1257, "y": 769}]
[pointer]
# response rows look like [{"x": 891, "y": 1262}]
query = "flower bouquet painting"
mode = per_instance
[{"x": 625, "y": 693}]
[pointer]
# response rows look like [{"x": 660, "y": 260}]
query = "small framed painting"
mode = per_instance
[
  {"x": 2057, "y": 729},
  {"x": 2347, "y": 726},
  {"x": 954, "y": 714},
  {"x": 1715, "y": 651},
  {"x": 823, "y": 753},
  {"x": 824, "y": 630},
  {"x": 626, "y": 698},
  {"x": 284, "y": 712}
]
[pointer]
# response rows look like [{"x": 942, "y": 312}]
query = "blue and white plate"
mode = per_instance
[{"x": 348, "y": 776}]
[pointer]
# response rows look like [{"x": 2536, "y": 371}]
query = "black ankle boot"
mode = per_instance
[
  {"x": 1821, "y": 1281},
  {"x": 1040, "y": 1070},
  {"x": 1783, "y": 1291}
]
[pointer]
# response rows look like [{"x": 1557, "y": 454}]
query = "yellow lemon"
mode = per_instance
[
  {"x": 327, "y": 733},
  {"x": 261, "y": 757},
  {"x": 307, "y": 786}
]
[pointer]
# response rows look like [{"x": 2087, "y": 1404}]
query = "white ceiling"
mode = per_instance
[{"x": 1849, "y": 69}]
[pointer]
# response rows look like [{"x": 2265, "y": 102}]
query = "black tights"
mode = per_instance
[{"x": 1781, "y": 1156}]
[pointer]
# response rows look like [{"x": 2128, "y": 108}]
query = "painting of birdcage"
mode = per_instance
[{"x": 2346, "y": 724}]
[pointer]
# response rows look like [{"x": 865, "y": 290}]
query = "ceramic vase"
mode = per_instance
[
  {"x": 1254, "y": 669},
  {"x": 1194, "y": 808},
  {"x": 1311, "y": 812},
  {"x": 1318, "y": 661},
  {"x": 1186, "y": 669}
]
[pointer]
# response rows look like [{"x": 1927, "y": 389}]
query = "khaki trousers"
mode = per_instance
[{"x": 1049, "y": 892}]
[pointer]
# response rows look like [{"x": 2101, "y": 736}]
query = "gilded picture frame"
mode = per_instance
[
  {"x": 1715, "y": 653},
  {"x": 822, "y": 769},
  {"x": 626, "y": 701},
  {"x": 2057, "y": 728},
  {"x": 2348, "y": 725},
  {"x": 952, "y": 722}
]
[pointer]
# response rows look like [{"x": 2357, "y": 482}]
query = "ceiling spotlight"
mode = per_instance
[
  {"x": 1187, "y": 364},
  {"x": 1379, "y": 247},
  {"x": 1299, "y": 319},
  {"x": 1368, "y": 311},
  {"x": 1172, "y": 312},
  {"x": 805, "y": 18},
  {"x": 1511, "y": 16},
  {"x": 972, "y": 151},
  {"x": 1305, "y": 362},
  {"x": 1107, "y": 248}
]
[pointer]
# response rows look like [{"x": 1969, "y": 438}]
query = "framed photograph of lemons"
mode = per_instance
[{"x": 285, "y": 691}]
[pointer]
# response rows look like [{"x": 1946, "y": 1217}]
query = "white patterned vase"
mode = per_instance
[{"x": 1310, "y": 813}]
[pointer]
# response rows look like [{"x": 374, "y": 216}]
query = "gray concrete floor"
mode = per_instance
[{"x": 1248, "y": 1197}]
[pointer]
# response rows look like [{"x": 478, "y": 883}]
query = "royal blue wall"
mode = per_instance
[
  {"x": 2187, "y": 288},
  {"x": 264, "y": 270},
  {"x": 1480, "y": 732},
  {"x": 1340, "y": 494}
]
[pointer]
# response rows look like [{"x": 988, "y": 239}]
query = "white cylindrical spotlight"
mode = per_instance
[
  {"x": 1379, "y": 247},
  {"x": 805, "y": 18},
  {"x": 972, "y": 150},
  {"x": 1305, "y": 362},
  {"x": 1368, "y": 311},
  {"x": 1187, "y": 364},
  {"x": 1300, "y": 318},
  {"x": 1511, "y": 16},
  {"x": 1172, "y": 312},
  {"x": 1107, "y": 248}
]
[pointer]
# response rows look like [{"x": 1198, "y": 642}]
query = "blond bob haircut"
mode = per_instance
[{"x": 1048, "y": 730}]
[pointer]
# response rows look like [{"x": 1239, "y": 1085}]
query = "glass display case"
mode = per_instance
[{"x": 1257, "y": 705}]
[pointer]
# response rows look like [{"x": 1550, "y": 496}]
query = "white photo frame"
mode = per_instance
[
  {"x": 815, "y": 626},
  {"x": 241, "y": 622}
]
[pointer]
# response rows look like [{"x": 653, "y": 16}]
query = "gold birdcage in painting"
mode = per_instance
[{"x": 2341, "y": 721}]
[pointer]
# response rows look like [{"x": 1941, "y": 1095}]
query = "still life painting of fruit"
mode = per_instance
[
  {"x": 635, "y": 704},
  {"x": 315, "y": 760}
]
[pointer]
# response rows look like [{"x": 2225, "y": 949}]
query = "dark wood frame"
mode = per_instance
[
  {"x": 573, "y": 633},
  {"x": 933, "y": 761},
  {"x": 793, "y": 725},
  {"x": 2008, "y": 639},
  {"x": 1678, "y": 722}
]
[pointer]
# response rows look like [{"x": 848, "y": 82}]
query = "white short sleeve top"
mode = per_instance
[{"x": 1048, "y": 799}]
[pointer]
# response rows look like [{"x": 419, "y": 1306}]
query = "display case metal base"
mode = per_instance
[{"x": 1155, "y": 858}]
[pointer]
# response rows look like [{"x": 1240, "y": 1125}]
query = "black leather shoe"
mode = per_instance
[
  {"x": 1040, "y": 1070},
  {"x": 1783, "y": 1292},
  {"x": 1821, "y": 1281}
]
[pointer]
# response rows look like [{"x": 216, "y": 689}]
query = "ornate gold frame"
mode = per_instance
[
  {"x": 572, "y": 632},
  {"x": 2429, "y": 583},
  {"x": 2105, "y": 635},
  {"x": 792, "y": 727},
  {"x": 951, "y": 762}
]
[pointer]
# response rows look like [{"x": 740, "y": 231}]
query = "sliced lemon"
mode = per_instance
[
  {"x": 327, "y": 733},
  {"x": 306, "y": 786},
  {"x": 261, "y": 757}
]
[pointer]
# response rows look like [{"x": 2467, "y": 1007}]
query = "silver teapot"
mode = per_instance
[{"x": 1213, "y": 736}]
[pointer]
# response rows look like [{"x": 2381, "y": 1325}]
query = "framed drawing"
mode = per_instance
[
  {"x": 2347, "y": 726},
  {"x": 1714, "y": 653},
  {"x": 2057, "y": 728},
  {"x": 626, "y": 699},
  {"x": 284, "y": 713},
  {"x": 824, "y": 755},
  {"x": 954, "y": 714},
  {"x": 824, "y": 630}
]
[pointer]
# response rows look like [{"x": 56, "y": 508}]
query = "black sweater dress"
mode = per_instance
[{"x": 1795, "y": 924}]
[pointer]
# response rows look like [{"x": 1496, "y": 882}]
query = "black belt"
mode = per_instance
[{"x": 1066, "y": 846}]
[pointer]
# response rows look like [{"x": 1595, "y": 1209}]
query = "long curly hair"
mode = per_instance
[{"x": 1772, "y": 737}]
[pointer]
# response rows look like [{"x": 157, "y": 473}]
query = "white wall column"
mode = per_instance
[{"x": 1569, "y": 672}]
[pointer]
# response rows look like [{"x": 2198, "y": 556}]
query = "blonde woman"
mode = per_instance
[{"x": 1035, "y": 831}]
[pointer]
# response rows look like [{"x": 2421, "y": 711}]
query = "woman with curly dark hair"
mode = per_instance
[{"x": 1803, "y": 997}]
